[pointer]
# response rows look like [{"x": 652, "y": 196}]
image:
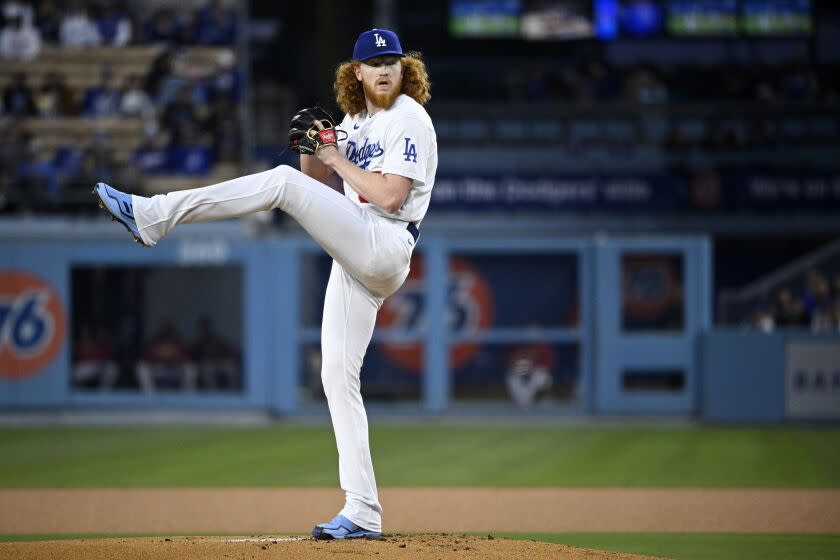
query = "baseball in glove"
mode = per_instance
[{"x": 305, "y": 137}]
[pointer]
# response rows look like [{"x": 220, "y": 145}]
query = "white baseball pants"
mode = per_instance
[{"x": 371, "y": 257}]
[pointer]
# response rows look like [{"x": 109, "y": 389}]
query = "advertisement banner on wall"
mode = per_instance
[
  {"x": 32, "y": 324},
  {"x": 812, "y": 380},
  {"x": 774, "y": 190}
]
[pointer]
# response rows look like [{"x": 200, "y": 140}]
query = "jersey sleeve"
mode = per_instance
[{"x": 407, "y": 145}]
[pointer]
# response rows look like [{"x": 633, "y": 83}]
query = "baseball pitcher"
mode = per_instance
[{"x": 383, "y": 156}]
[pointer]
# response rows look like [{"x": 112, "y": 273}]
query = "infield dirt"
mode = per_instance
[
  {"x": 279, "y": 512},
  {"x": 421, "y": 510}
]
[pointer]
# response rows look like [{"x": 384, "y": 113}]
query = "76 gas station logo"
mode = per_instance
[
  {"x": 470, "y": 308},
  {"x": 32, "y": 324}
]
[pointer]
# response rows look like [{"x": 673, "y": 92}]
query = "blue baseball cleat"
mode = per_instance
[
  {"x": 342, "y": 528},
  {"x": 119, "y": 207}
]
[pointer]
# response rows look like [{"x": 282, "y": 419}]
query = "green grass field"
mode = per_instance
[
  {"x": 422, "y": 456},
  {"x": 463, "y": 456}
]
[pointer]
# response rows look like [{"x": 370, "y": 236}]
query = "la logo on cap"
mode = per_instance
[{"x": 376, "y": 42}]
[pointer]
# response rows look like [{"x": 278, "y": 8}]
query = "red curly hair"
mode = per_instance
[{"x": 351, "y": 96}]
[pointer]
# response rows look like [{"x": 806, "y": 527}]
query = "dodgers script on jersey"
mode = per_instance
[{"x": 400, "y": 140}]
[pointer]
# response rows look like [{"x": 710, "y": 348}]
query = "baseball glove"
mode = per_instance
[{"x": 304, "y": 136}]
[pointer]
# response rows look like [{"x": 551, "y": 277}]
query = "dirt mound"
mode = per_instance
[{"x": 405, "y": 547}]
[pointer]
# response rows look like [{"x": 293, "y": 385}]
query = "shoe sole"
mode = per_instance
[
  {"x": 324, "y": 536},
  {"x": 115, "y": 219}
]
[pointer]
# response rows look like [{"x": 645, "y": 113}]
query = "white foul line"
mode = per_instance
[{"x": 270, "y": 539}]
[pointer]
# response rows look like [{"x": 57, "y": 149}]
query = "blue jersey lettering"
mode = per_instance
[
  {"x": 362, "y": 155},
  {"x": 410, "y": 152}
]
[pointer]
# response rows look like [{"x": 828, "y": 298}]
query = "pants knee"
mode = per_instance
[
  {"x": 282, "y": 177},
  {"x": 282, "y": 172}
]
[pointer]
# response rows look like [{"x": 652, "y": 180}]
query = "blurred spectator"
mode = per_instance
[
  {"x": 225, "y": 80},
  {"x": 215, "y": 358},
  {"x": 816, "y": 301},
  {"x": 80, "y": 166},
  {"x": 17, "y": 97},
  {"x": 162, "y": 27},
  {"x": 187, "y": 28},
  {"x": 49, "y": 21},
  {"x": 14, "y": 148},
  {"x": 152, "y": 156},
  {"x": 114, "y": 25},
  {"x": 78, "y": 29},
  {"x": 162, "y": 66},
  {"x": 166, "y": 362},
  {"x": 528, "y": 376},
  {"x": 815, "y": 306},
  {"x": 789, "y": 311},
  {"x": 135, "y": 101},
  {"x": 103, "y": 99},
  {"x": 181, "y": 110},
  {"x": 216, "y": 24},
  {"x": 19, "y": 40},
  {"x": 37, "y": 176},
  {"x": 66, "y": 163},
  {"x": 55, "y": 99},
  {"x": 92, "y": 168},
  {"x": 201, "y": 92},
  {"x": 94, "y": 363},
  {"x": 99, "y": 157},
  {"x": 14, "y": 9},
  {"x": 763, "y": 319},
  {"x": 190, "y": 154},
  {"x": 189, "y": 80}
]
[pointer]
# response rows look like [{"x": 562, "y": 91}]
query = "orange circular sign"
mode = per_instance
[
  {"x": 32, "y": 324},
  {"x": 469, "y": 309},
  {"x": 649, "y": 284}
]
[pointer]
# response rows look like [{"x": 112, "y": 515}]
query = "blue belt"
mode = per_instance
[{"x": 412, "y": 229}]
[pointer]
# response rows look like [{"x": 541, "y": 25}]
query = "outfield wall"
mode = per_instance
[
  {"x": 757, "y": 377},
  {"x": 534, "y": 325}
]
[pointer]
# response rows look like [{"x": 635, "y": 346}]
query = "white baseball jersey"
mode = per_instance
[{"x": 399, "y": 140}]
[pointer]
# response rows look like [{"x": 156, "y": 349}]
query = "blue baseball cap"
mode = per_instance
[{"x": 376, "y": 42}]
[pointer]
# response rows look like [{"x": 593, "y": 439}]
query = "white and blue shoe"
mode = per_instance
[
  {"x": 342, "y": 528},
  {"x": 119, "y": 207}
]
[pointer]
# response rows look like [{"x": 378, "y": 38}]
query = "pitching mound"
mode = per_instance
[{"x": 293, "y": 548}]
